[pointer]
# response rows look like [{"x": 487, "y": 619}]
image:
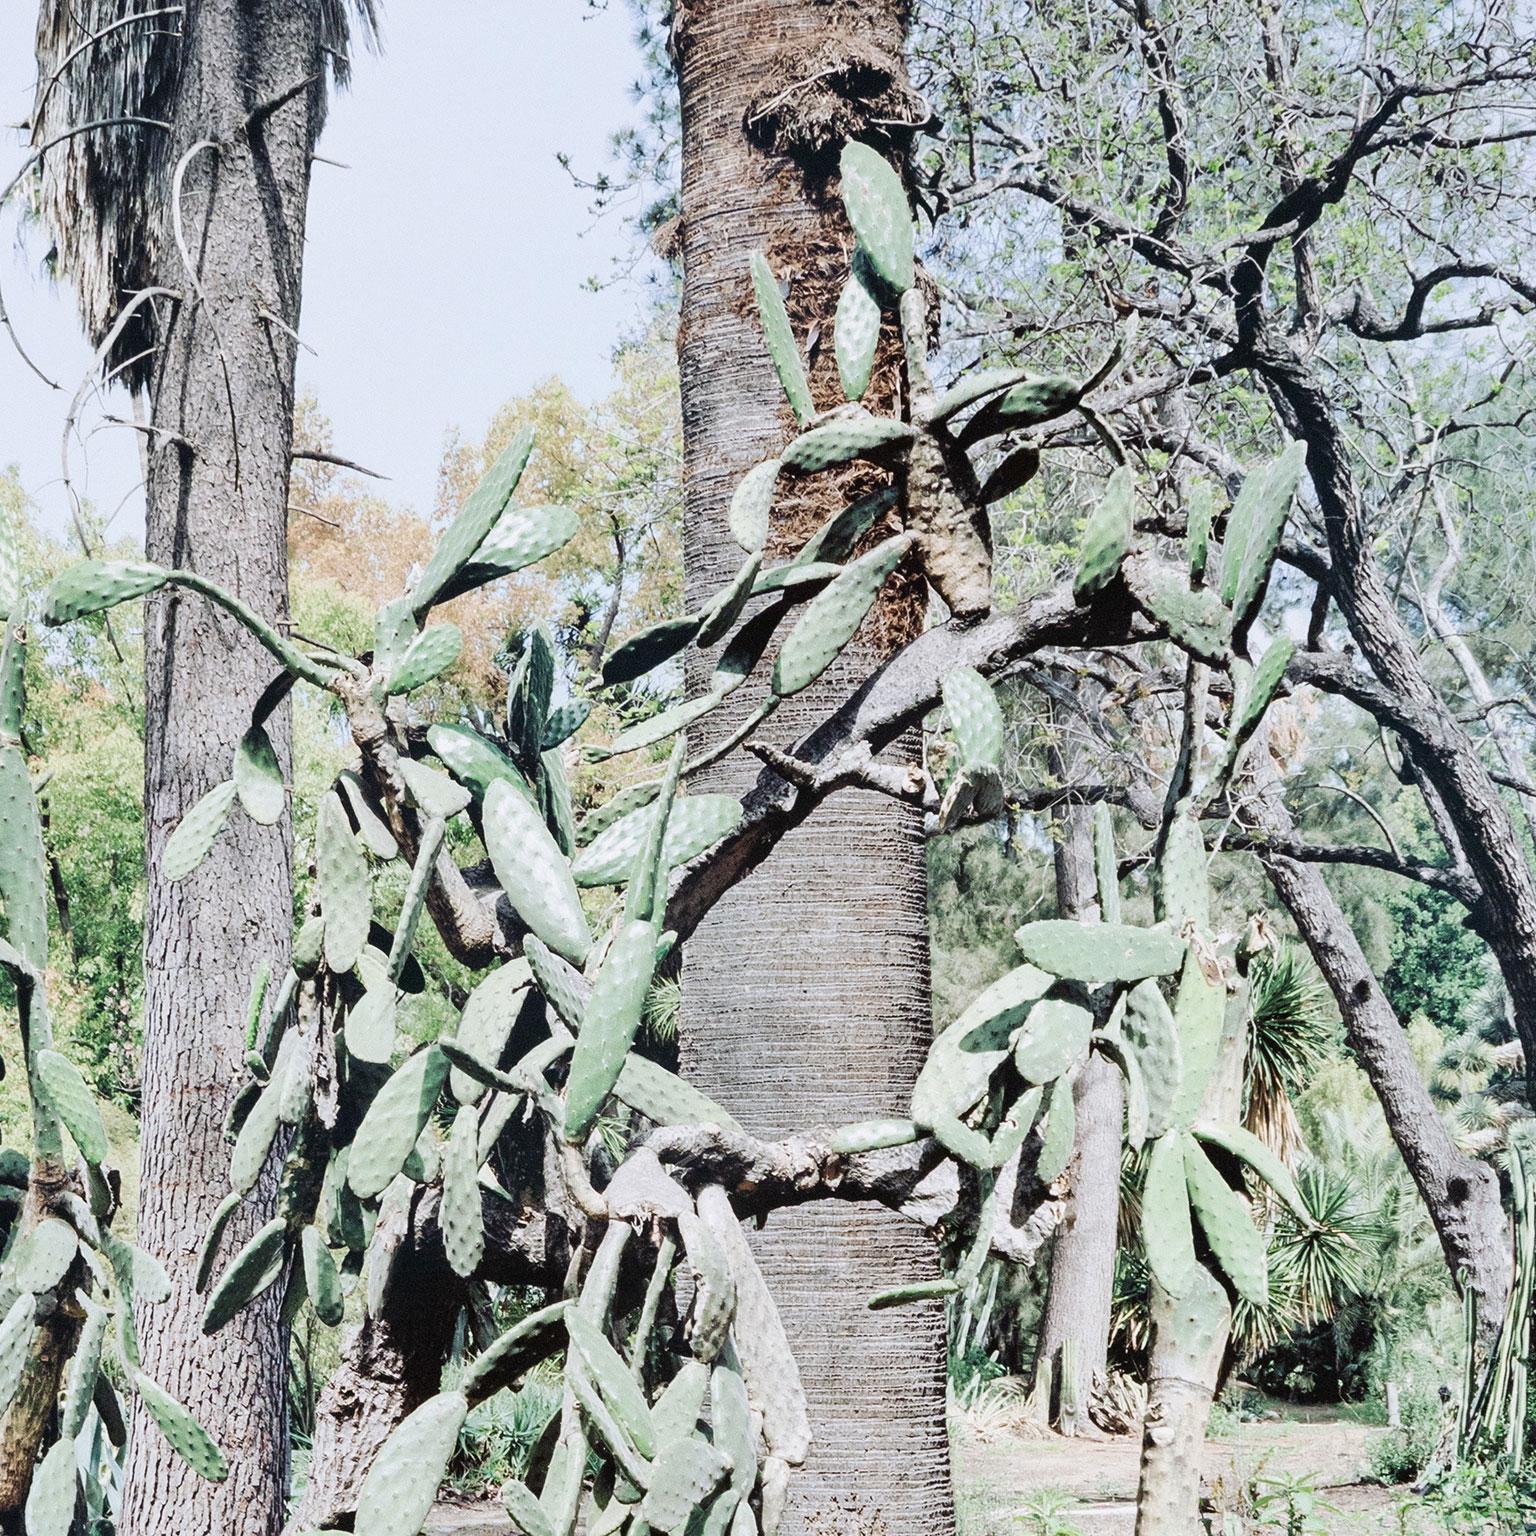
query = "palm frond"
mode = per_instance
[{"x": 101, "y": 194}]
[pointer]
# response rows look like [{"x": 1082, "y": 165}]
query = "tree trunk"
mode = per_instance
[
  {"x": 217, "y": 503},
  {"x": 1082, "y": 1279},
  {"x": 1461, "y": 1194},
  {"x": 805, "y": 992}
]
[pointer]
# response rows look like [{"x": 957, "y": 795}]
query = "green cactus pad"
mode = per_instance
[
  {"x": 905, "y": 1295},
  {"x": 835, "y": 540},
  {"x": 695, "y": 822},
  {"x": 833, "y": 616},
  {"x": 463, "y": 1226},
  {"x": 429, "y": 655},
  {"x": 686, "y": 1474},
  {"x": 856, "y": 330},
  {"x": 1197, "y": 622},
  {"x": 395, "y": 1120},
  {"x": 480, "y": 513},
  {"x": 1029, "y": 403},
  {"x": 799, "y": 579},
  {"x": 370, "y": 1025},
  {"x": 1248, "y": 710},
  {"x": 182, "y": 1432},
  {"x": 751, "y": 504},
  {"x": 321, "y": 1280},
  {"x": 1153, "y": 1038},
  {"x": 727, "y": 606},
  {"x": 1262, "y": 1159},
  {"x": 779, "y": 337},
  {"x": 714, "y": 1288},
  {"x": 532, "y": 1339},
  {"x": 15, "y": 1345},
  {"x": 255, "y": 1138},
  {"x": 522, "y": 537},
  {"x": 534, "y": 874},
  {"x": 1199, "y": 1008},
  {"x": 565, "y": 989},
  {"x": 41, "y": 1259},
  {"x": 51, "y": 1499},
  {"x": 877, "y": 208},
  {"x": 475, "y": 762},
  {"x": 94, "y": 585},
  {"x": 609, "y": 1023},
  {"x": 1254, "y": 527},
  {"x": 1060, "y": 1132},
  {"x": 650, "y": 1090},
  {"x": 529, "y": 691},
  {"x": 188, "y": 845},
  {"x": 253, "y": 1270},
  {"x": 401, "y": 1486},
  {"x": 873, "y": 1135},
  {"x": 844, "y": 439},
  {"x": 975, "y": 718},
  {"x": 563, "y": 721},
  {"x": 1197, "y": 534},
  {"x": 613, "y": 1380},
  {"x": 1106, "y": 866},
  {"x": 1107, "y": 537},
  {"x": 1183, "y": 878},
  {"x": 208, "y": 1254},
  {"x": 528, "y": 1515},
  {"x": 1167, "y": 1235},
  {"x": 1051, "y": 1038},
  {"x": 1228, "y": 1225},
  {"x": 648, "y": 649},
  {"x": 963, "y": 1058},
  {"x": 346, "y": 892},
  {"x": 72, "y": 1101},
  {"x": 973, "y": 387},
  {"x": 486, "y": 1023},
  {"x": 259, "y": 778},
  {"x": 1136, "y": 1111},
  {"x": 1099, "y": 952},
  {"x": 80, "y": 1388}
]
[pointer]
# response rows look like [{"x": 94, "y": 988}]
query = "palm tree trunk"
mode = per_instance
[
  {"x": 805, "y": 993},
  {"x": 217, "y": 502}
]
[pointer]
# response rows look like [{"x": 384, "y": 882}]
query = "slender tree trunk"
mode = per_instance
[
  {"x": 1461, "y": 1194},
  {"x": 217, "y": 503},
  {"x": 805, "y": 993},
  {"x": 1082, "y": 1279}
]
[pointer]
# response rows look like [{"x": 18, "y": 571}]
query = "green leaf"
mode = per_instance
[
  {"x": 534, "y": 874},
  {"x": 189, "y": 844},
  {"x": 183, "y": 1433},
  {"x": 832, "y": 617},
  {"x": 780, "y": 339},
  {"x": 877, "y": 208},
  {"x": 94, "y": 585},
  {"x": 259, "y": 778},
  {"x": 856, "y": 329},
  {"x": 73, "y": 1102},
  {"x": 477, "y": 517}
]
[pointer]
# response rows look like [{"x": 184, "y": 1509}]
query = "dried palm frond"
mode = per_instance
[{"x": 101, "y": 193}]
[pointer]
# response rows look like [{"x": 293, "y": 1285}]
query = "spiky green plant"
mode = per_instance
[{"x": 1293, "y": 1031}]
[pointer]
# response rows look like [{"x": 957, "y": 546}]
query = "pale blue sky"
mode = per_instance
[{"x": 446, "y": 269}]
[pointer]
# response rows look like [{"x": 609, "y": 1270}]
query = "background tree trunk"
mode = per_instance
[
  {"x": 1082, "y": 1278},
  {"x": 805, "y": 993},
  {"x": 217, "y": 502}
]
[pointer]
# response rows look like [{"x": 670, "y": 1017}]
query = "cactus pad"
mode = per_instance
[
  {"x": 94, "y": 585},
  {"x": 1107, "y": 537},
  {"x": 259, "y": 778},
  {"x": 1052, "y": 1037},
  {"x": 429, "y": 655},
  {"x": 695, "y": 822},
  {"x": 533, "y": 873},
  {"x": 188, "y": 845},
  {"x": 877, "y": 208},
  {"x": 779, "y": 337},
  {"x": 844, "y": 439},
  {"x": 398, "y": 1493},
  {"x": 686, "y": 1474},
  {"x": 1228, "y": 1226},
  {"x": 389, "y": 1130},
  {"x": 856, "y": 330},
  {"x": 1100, "y": 952},
  {"x": 1166, "y": 1233},
  {"x": 346, "y": 893},
  {"x": 255, "y": 1268},
  {"x": 463, "y": 1227},
  {"x": 751, "y": 503},
  {"x": 73, "y": 1102},
  {"x": 609, "y": 1023},
  {"x": 183, "y": 1433}
]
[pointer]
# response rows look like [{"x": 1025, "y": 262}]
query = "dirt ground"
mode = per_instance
[{"x": 997, "y": 1472}]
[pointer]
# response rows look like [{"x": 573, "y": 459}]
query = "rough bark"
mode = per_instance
[
  {"x": 217, "y": 503},
  {"x": 1460, "y": 1193},
  {"x": 805, "y": 989},
  {"x": 1081, "y": 1288}
]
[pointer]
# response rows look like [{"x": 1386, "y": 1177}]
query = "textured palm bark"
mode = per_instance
[
  {"x": 217, "y": 503},
  {"x": 805, "y": 990},
  {"x": 1082, "y": 1277}
]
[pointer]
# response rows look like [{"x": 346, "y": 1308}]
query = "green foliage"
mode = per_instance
[{"x": 1438, "y": 967}]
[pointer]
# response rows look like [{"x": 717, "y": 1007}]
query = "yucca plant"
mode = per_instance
[{"x": 1293, "y": 1033}]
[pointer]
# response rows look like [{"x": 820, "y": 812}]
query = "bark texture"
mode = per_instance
[
  {"x": 1082, "y": 1278},
  {"x": 217, "y": 503},
  {"x": 805, "y": 990},
  {"x": 1461, "y": 1194}
]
